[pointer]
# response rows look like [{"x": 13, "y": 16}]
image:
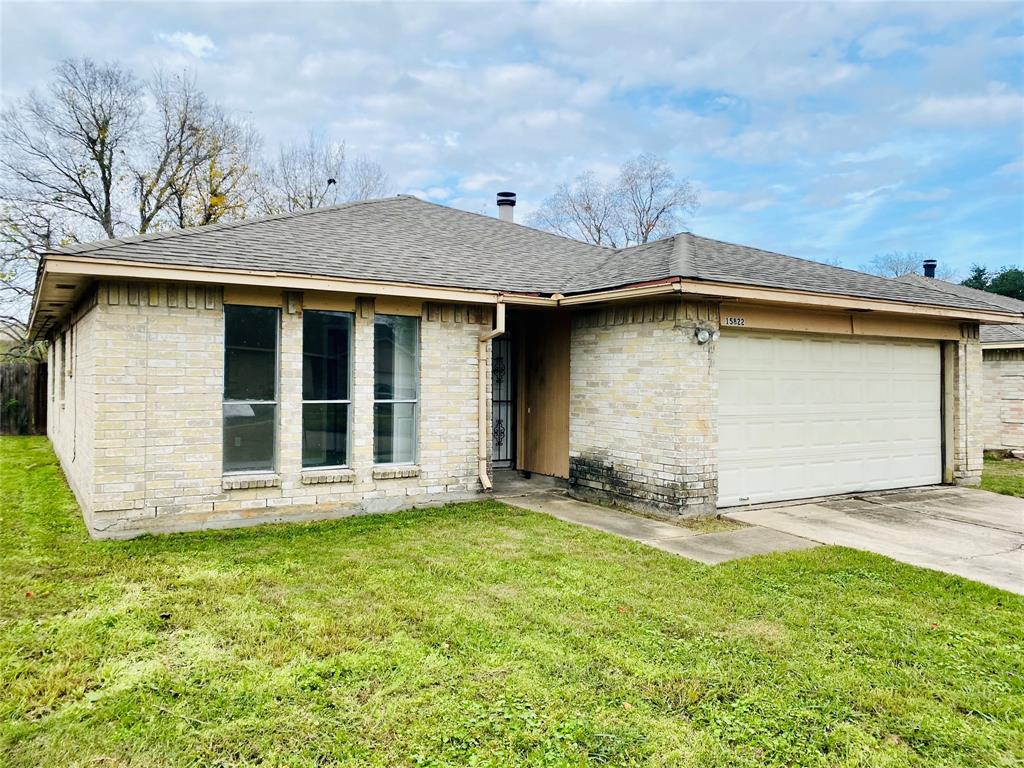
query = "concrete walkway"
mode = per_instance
[
  {"x": 709, "y": 548},
  {"x": 964, "y": 531}
]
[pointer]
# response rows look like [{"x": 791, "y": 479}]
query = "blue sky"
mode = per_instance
[{"x": 830, "y": 131}]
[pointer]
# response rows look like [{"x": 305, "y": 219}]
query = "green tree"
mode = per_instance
[
  {"x": 979, "y": 278},
  {"x": 1008, "y": 282}
]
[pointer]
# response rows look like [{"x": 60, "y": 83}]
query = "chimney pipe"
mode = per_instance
[
  {"x": 506, "y": 204},
  {"x": 929, "y": 267}
]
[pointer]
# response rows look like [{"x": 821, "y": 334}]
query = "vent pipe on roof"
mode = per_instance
[
  {"x": 506, "y": 204},
  {"x": 929, "y": 267}
]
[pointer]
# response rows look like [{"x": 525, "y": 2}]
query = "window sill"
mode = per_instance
[
  {"x": 316, "y": 476},
  {"x": 242, "y": 481},
  {"x": 395, "y": 472}
]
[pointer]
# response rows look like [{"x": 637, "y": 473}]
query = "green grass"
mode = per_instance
[
  {"x": 480, "y": 635},
  {"x": 1004, "y": 476}
]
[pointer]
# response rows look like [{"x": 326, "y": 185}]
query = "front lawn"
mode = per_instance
[
  {"x": 1003, "y": 475},
  {"x": 481, "y": 635}
]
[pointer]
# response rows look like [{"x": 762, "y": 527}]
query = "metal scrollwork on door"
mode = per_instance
[{"x": 502, "y": 402}]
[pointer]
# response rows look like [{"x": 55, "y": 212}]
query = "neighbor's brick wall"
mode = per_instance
[
  {"x": 70, "y": 418},
  {"x": 1003, "y": 398},
  {"x": 968, "y": 407},
  {"x": 158, "y": 418},
  {"x": 643, "y": 396}
]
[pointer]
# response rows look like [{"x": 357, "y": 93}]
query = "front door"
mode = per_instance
[
  {"x": 503, "y": 403},
  {"x": 545, "y": 394}
]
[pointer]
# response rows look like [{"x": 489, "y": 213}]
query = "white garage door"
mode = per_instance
[{"x": 804, "y": 415}]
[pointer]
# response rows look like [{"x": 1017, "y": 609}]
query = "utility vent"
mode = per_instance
[{"x": 506, "y": 206}]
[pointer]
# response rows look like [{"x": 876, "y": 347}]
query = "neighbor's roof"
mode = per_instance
[
  {"x": 404, "y": 239},
  {"x": 990, "y": 334}
]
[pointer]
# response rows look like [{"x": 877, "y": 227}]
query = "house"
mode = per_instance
[
  {"x": 388, "y": 353},
  {"x": 1002, "y": 350}
]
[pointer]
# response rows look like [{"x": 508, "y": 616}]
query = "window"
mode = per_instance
[
  {"x": 395, "y": 388},
  {"x": 250, "y": 388},
  {"x": 326, "y": 387}
]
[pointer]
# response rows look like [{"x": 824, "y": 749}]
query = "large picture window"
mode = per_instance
[
  {"x": 250, "y": 388},
  {"x": 326, "y": 387},
  {"x": 395, "y": 388}
]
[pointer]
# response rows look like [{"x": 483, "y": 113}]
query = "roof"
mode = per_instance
[
  {"x": 404, "y": 239},
  {"x": 990, "y": 334},
  {"x": 1003, "y": 335},
  {"x": 400, "y": 239},
  {"x": 701, "y": 258}
]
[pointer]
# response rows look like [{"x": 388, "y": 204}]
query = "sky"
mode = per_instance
[{"x": 828, "y": 131}]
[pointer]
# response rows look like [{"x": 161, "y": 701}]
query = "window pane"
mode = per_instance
[
  {"x": 325, "y": 355},
  {"x": 250, "y": 353},
  {"x": 324, "y": 434},
  {"x": 249, "y": 437},
  {"x": 394, "y": 433},
  {"x": 395, "y": 341}
]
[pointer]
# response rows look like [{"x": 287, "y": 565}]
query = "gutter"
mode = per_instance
[{"x": 483, "y": 432}]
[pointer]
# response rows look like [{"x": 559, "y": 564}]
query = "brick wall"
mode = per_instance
[
  {"x": 1003, "y": 398},
  {"x": 642, "y": 407},
  {"x": 159, "y": 383},
  {"x": 968, "y": 407},
  {"x": 70, "y": 413}
]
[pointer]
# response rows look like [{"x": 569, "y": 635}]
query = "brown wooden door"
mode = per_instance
[{"x": 544, "y": 394}]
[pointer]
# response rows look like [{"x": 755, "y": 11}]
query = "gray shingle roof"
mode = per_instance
[
  {"x": 701, "y": 258},
  {"x": 1002, "y": 334},
  {"x": 404, "y": 239},
  {"x": 990, "y": 334},
  {"x": 399, "y": 239}
]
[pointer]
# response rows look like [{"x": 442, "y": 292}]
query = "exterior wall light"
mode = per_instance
[{"x": 703, "y": 335}]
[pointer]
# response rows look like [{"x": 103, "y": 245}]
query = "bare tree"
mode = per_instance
[
  {"x": 364, "y": 179},
  {"x": 304, "y": 175},
  {"x": 66, "y": 150},
  {"x": 103, "y": 154},
  {"x": 894, "y": 264},
  {"x": 652, "y": 201},
  {"x": 221, "y": 181},
  {"x": 900, "y": 263},
  {"x": 24, "y": 232},
  {"x": 645, "y": 202},
  {"x": 100, "y": 154},
  {"x": 177, "y": 143},
  {"x": 584, "y": 210}
]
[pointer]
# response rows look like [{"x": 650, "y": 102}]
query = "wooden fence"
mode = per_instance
[{"x": 23, "y": 398}]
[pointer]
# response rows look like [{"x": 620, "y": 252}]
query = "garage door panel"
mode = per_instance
[{"x": 809, "y": 415}]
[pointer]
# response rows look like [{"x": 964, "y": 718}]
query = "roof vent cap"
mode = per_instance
[
  {"x": 506, "y": 202},
  {"x": 929, "y": 267}
]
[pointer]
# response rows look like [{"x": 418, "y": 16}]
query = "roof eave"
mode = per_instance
[
  {"x": 90, "y": 268},
  {"x": 96, "y": 268},
  {"x": 1002, "y": 344},
  {"x": 838, "y": 301}
]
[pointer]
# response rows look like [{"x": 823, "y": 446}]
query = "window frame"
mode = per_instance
[
  {"x": 348, "y": 413},
  {"x": 415, "y": 401},
  {"x": 276, "y": 402}
]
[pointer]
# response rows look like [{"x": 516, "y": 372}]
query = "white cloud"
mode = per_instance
[
  {"x": 884, "y": 41},
  {"x": 477, "y": 182},
  {"x": 790, "y": 114},
  {"x": 1014, "y": 167},
  {"x": 997, "y": 104},
  {"x": 195, "y": 45}
]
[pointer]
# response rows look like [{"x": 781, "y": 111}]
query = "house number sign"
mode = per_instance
[{"x": 735, "y": 321}]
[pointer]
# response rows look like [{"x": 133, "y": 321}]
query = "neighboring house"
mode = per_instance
[
  {"x": 1002, "y": 348},
  {"x": 389, "y": 353}
]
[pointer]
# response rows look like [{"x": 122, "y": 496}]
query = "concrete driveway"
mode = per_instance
[{"x": 971, "y": 533}]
